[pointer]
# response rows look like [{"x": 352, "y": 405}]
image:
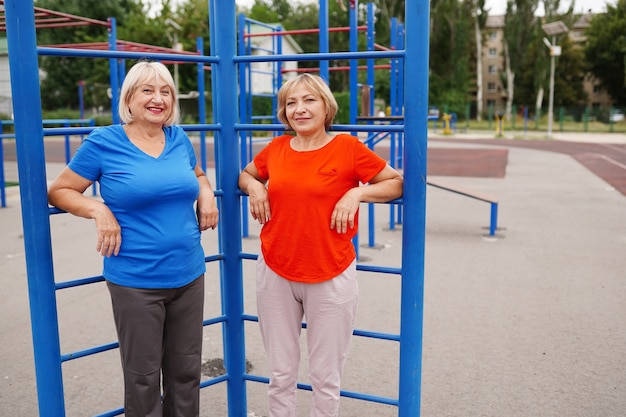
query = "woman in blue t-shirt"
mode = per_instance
[{"x": 156, "y": 200}]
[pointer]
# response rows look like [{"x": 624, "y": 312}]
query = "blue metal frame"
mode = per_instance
[{"x": 23, "y": 59}]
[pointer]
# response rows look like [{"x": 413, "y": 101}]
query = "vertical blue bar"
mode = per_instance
[
  {"x": 245, "y": 96},
  {"x": 68, "y": 153},
  {"x": 24, "y": 75},
  {"x": 417, "y": 14},
  {"x": 354, "y": 97},
  {"x": 81, "y": 99},
  {"x": 370, "y": 47},
  {"x": 114, "y": 73},
  {"x": 201, "y": 102},
  {"x": 493, "y": 223},
  {"x": 323, "y": 39},
  {"x": 3, "y": 197},
  {"x": 224, "y": 46}
]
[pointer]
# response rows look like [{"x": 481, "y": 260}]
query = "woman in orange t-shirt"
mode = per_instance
[{"x": 306, "y": 190}]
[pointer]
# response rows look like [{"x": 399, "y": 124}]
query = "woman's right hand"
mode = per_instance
[
  {"x": 66, "y": 193},
  {"x": 250, "y": 182},
  {"x": 259, "y": 202}
]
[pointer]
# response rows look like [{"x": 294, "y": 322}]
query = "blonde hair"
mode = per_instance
[
  {"x": 318, "y": 87},
  {"x": 139, "y": 74}
]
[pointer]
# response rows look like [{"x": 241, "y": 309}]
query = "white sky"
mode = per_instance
[
  {"x": 597, "y": 6},
  {"x": 499, "y": 6}
]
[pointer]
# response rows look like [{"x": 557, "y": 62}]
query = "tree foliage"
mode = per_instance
[
  {"x": 60, "y": 87},
  {"x": 451, "y": 49},
  {"x": 606, "y": 50},
  {"x": 454, "y": 46}
]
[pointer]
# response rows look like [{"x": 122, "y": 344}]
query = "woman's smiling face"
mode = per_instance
[
  {"x": 151, "y": 102},
  {"x": 305, "y": 110}
]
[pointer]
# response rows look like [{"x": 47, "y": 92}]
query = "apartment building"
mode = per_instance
[{"x": 494, "y": 90}]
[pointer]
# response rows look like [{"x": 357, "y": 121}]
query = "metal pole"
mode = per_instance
[
  {"x": 413, "y": 234},
  {"x": 24, "y": 74},
  {"x": 225, "y": 102},
  {"x": 551, "y": 100}
]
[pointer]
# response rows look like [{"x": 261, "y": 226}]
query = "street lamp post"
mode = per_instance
[{"x": 552, "y": 29}]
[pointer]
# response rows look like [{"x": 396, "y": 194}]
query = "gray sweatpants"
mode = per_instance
[{"x": 160, "y": 332}]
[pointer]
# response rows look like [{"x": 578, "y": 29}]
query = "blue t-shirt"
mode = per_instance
[{"x": 153, "y": 201}]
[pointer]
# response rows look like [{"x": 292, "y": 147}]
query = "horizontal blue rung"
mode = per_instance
[
  {"x": 326, "y": 56},
  {"x": 343, "y": 393},
  {"x": 338, "y": 128},
  {"x": 214, "y": 381},
  {"x": 383, "y": 269},
  {"x": 112, "y": 413},
  {"x": 377, "y": 335},
  {"x": 85, "y": 53},
  {"x": 251, "y": 256},
  {"x": 214, "y": 320},
  {"x": 79, "y": 282},
  {"x": 213, "y": 258},
  {"x": 90, "y": 351}
]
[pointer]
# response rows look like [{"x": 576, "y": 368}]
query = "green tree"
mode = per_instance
[
  {"x": 480, "y": 15},
  {"x": 520, "y": 30},
  {"x": 568, "y": 79},
  {"x": 451, "y": 49},
  {"x": 605, "y": 51},
  {"x": 59, "y": 89}
]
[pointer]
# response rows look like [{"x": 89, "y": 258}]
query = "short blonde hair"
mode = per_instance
[
  {"x": 139, "y": 74},
  {"x": 318, "y": 87}
]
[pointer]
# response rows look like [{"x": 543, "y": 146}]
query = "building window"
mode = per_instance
[
  {"x": 491, "y": 87},
  {"x": 597, "y": 89},
  {"x": 491, "y": 103},
  {"x": 492, "y": 69},
  {"x": 493, "y": 52},
  {"x": 493, "y": 36}
]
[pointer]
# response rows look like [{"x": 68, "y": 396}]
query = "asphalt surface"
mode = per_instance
[{"x": 531, "y": 322}]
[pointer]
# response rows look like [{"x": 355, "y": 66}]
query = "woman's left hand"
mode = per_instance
[
  {"x": 206, "y": 209},
  {"x": 345, "y": 211}
]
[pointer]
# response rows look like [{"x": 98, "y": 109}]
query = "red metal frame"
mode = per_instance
[{"x": 45, "y": 18}]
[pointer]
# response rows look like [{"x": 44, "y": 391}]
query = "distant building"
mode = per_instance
[
  {"x": 263, "y": 74},
  {"x": 494, "y": 92},
  {"x": 6, "y": 104}
]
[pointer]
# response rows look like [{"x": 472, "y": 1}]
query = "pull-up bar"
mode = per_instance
[{"x": 302, "y": 32}]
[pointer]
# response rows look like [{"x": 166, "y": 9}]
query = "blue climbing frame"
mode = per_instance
[{"x": 23, "y": 59}]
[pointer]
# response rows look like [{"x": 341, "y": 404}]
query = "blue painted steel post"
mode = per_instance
[
  {"x": 24, "y": 73},
  {"x": 201, "y": 102},
  {"x": 245, "y": 97},
  {"x": 354, "y": 88},
  {"x": 224, "y": 46},
  {"x": 323, "y": 38},
  {"x": 370, "y": 47},
  {"x": 3, "y": 197},
  {"x": 417, "y": 14},
  {"x": 114, "y": 79}
]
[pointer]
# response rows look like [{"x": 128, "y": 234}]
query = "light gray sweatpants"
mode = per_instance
[{"x": 330, "y": 309}]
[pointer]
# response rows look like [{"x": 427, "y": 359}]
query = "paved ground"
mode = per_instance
[{"x": 530, "y": 323}]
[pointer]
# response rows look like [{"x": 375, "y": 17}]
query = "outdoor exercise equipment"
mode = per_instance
[{"x": 23, "y": 57}]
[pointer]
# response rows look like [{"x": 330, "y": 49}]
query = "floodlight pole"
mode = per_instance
[
  {"x": 551, "y": 99},
  {"x": 552, "y": 29}
]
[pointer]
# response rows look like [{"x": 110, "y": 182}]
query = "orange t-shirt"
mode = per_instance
[{"x": 298, "y": 243}]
